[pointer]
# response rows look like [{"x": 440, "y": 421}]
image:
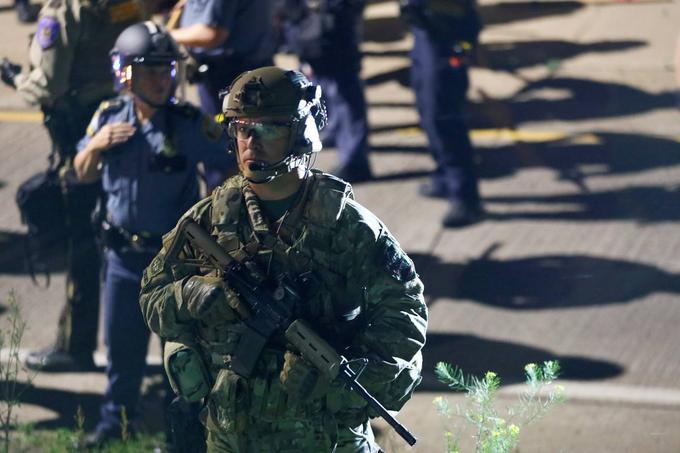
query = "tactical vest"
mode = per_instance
[
  {"x": 304, "y": 243},
  {"x": 100, "y": 24}
]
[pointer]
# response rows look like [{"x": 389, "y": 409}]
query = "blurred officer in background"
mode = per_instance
[
  {"x": 326, "y": 36},
  {"x": 25, "y": 11},
  {"x": 445, "y": 33},
  {"x": 69, "y": 75},
  {"x": 145, "y": 147},
  {"x": 225, "y": 38}
]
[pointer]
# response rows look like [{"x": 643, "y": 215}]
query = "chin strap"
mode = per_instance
[{"x": 261, "y": 173}]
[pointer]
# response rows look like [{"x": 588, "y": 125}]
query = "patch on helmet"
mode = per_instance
[
  {"x": 48, "y": 32},
  {"x": 396, "y": 262},
  {"x": 252, "y": 94},
  {"x": 211, "y": 129}
]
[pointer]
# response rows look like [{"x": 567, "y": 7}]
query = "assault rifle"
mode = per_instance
[{"x": 272, "y": 307}]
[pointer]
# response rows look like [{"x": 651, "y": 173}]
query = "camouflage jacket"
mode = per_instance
[{"x": 367, "y": 300}]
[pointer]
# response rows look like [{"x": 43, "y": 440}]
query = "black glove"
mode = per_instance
[
  {"x": 9, "y": 71},
  {"x": 301, "y": 380},
  {"x": 206, "y": 297}
]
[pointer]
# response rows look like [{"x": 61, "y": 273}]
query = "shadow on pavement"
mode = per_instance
[
  {"x": 565, "y": 98},
  {"x": 575, "y": 159},
  {"x": 586, "y": 155},
  {"x": 542, "y": 282},
  {"x": 506, "y": 12},
  {"x": 549, "y": 99},
  {"x": 475, "y": 355},
  {"x": 65, "y": 403},
  {"x": 401, "y": 176},
  {"x": 388, "y": 29},
  {"x": 400, "y": 75},
  {"x": 646, "y": 204},
  {"x": 392, "y": 128},
  {"x": 384, "y": 29},
  {"x": 511, "y": 56}
]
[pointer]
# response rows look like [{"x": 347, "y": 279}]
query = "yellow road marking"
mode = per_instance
[{"x": 16, "y": 116}]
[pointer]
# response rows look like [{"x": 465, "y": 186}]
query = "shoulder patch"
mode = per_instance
[
  {"x": 105, "y": 106},
  {"x": 48, "y": 32},
  {"x": 211, "y": 130},
  {"x": 395, "y": 261}
]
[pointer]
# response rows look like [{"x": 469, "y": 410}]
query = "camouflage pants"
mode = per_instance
[
  {"x": 293, "y": 436},
  {"x": 255, "y": 416}
]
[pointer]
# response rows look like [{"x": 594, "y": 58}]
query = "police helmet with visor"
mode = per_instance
[
  {"x": 285, "y": 101},
  {"x": 148, "y": 44}
]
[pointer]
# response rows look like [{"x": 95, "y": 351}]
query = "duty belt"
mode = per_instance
[{"x": 120, "y": 239}]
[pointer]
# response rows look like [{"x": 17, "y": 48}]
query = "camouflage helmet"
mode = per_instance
[{"x": 272, "y": 92}]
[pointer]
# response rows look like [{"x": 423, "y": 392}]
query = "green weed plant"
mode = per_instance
[{"x": 493, "y": 431}]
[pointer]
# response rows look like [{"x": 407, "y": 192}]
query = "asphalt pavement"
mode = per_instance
[{"x": 575, "y": 117}]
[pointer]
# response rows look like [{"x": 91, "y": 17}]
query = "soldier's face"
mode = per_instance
[
  {"x": 154, "y": 82},
  {"x": 260, "y": 140}
]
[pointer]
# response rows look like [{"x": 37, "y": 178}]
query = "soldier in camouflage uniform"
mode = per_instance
[
  {"x": 69, "y": 76},
  {"x": 366, "y": 299}
]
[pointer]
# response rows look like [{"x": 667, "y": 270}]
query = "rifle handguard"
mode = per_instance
[{"x": 314, "y": 349}]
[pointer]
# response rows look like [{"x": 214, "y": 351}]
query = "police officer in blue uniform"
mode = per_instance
[
  {"x": 225, "y": 38},
  {"x": 145, "y": 147},
  {"x": 445, "y": 32},
  {"x": 326, "y": 36}
]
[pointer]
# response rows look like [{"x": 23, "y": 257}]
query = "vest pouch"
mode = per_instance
[
  {"x": 229, "y": 402},
  {"x": 186, "y": 371}
]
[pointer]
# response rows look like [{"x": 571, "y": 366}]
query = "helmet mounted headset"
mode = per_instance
[
  {"x": 144, "y": 43},
  {"x": 272, "y": 92}
]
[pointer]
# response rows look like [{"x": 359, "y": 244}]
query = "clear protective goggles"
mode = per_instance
[{"x": 262, "y": 130}]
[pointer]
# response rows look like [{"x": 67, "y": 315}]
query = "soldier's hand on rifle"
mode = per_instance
[
  {"x": 301, "y": 380},
  {"x": 111, "y": 135},
  {"x": 207, "y": 297},
  {"x": 9, "y": 71}
]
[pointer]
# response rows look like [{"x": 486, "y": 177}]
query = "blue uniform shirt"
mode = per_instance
[
  {"x": 151, "y": 179},
  {"x": 249, "y": 23}
]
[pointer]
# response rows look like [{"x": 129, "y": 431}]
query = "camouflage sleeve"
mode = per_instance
[
  {"x": 50, "y": 55},
  {"x": 161, "y": 301},
  {"x": 395, "y": 314}
]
